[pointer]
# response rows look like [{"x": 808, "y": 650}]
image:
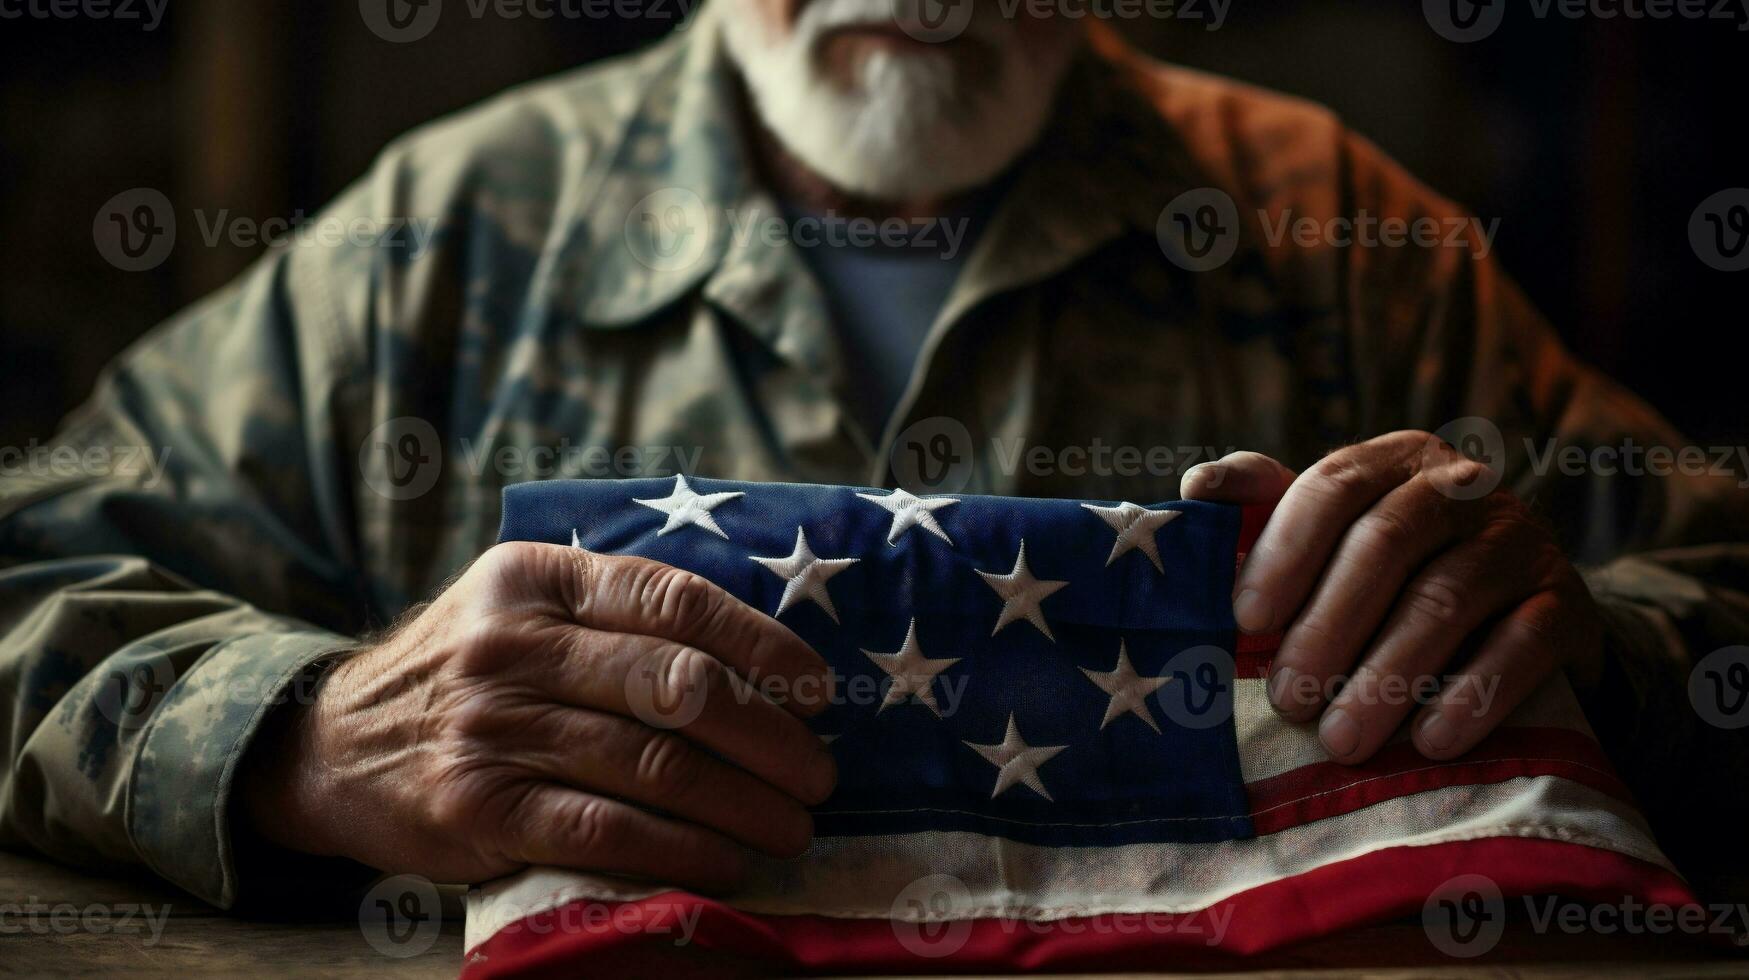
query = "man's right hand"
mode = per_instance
[{"x": 557, "y": 707}]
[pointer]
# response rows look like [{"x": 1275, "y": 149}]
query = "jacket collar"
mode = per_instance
[{"x": 678, "y": 208}]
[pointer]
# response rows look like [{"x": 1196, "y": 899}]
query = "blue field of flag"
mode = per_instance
[{"x": 1079, "y": 697}]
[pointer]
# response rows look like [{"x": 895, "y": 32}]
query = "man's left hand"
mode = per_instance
[{"x": 1398, "y": 584}]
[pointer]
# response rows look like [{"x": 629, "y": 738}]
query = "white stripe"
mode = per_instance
[
  {"x": 1270, "y": 746},
  {"x": 863, "y": 877}
]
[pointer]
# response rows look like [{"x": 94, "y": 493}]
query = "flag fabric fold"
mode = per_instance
[{"x": 1054, "y": 752}]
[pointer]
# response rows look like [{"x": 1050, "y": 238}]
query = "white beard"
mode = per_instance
[{"x": 908, "y": 128}]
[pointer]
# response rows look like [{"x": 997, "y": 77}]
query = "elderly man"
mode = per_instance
[{"x": 1086, "y": 251}]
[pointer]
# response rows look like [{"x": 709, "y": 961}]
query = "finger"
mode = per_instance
[
  {"x": 1237, "y": 478},
  {"x": 1295, "y": 545},
  {"x": 1519, "y": 653},
  {"x": 1374, "y": 557},
  {"x": 673, "y": 687},
  {"x": 622, "y": 594},
  {"x": 554, "y": 825},
  {"x": 617, "y": 757},
  {"x": 1443, "y": 604}
]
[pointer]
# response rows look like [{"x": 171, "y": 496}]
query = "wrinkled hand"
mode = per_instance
[
  {"x": 1393, "y": 575},
  {"x": 564, "y": 708}
]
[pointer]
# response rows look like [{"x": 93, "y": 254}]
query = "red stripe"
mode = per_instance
[
  {"x": 730, "y": 943},
  {"x": 1252, "y": 653},
  {"x": 1327, "y": 789}
]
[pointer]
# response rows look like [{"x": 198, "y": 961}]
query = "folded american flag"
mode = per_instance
[{"x": 1054, "y": 752}]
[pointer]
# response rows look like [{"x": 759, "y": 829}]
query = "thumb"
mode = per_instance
[{"x": 1239, "y": 478}]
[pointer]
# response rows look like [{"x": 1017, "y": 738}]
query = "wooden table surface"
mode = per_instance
[{"x": 196, "y": 940}]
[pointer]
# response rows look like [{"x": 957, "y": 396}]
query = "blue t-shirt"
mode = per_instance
[{"x": 885, "y": 296}]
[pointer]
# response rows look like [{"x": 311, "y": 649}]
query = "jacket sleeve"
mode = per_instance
[
  {"x": 1659, "y": 525},
  {"x": 170, "y": 563}
]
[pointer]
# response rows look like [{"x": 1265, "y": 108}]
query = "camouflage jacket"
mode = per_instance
[{"x": 563, "y": 285}]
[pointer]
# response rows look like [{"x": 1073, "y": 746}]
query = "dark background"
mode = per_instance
[{"x": 1593, "y": 141}]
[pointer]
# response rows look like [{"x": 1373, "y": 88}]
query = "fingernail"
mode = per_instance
[
  {"x": 1281, "y": 685},
  {"x": 1205, "y": 476},
  {"x": 1437, "y": 733},
  {"x": 1339, "y": 732},
  {"x": 1251, "y": 612}
]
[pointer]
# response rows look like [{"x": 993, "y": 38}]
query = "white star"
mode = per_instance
[
  {"x": 1129, "y": 691},
  {"x": 684, "y": 507},
  {"x": 576, "y": 542},
  {"x": 1017, "y": 762},
  {"x": 912, "y": 673},
  {"x": 1135, "y": 526},
  {"x": 1021, "y": 594},
  {"x": 911, "y": 511},
  {"x": 806, "y": 575}
]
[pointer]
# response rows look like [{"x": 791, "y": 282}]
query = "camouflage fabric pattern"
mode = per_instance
[{"x": 335, "y": 428}]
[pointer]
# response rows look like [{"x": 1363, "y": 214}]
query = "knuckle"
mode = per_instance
[
  {"x": 1340, "y": 475},
  {"x": 1459, "y": 470},
  {"x": 449, "y": 808},
  {"x": 1539, "y": 625},
  {"x": 1383, "y": 532},
  {"x": 1435, "y": 597},
  {"x": 457, "y": 798},
  {"x": 690, "y": 672},
  {"x": 583, "y": 579},
  {"x": 1313, "y": 628},
  {"x": 591, "y": 826},
  {"x": 471, "y": 718},
  {"x": 669, "y": 764},
  {"x": 681, "y": 597},
  {"x": 507, "y": 556},
  {"x": 478, "y": 646}
]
